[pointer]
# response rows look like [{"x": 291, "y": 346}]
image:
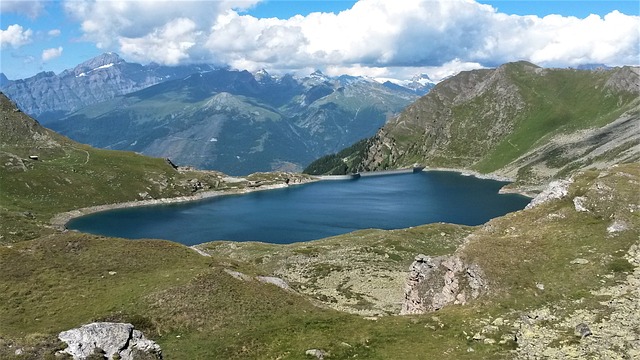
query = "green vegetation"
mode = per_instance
[
  {"x": 531, "y": 255},
  {"x": 488, "y": 120},
  {"x": 344, "y": 288},
  {"x": 343, "y": 162},
  {"x": 561, "y": 101}
]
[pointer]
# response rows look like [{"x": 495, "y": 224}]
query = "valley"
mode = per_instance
[
  {"x": 516, "y": 286},
  {"x": 231, "y": 121}
]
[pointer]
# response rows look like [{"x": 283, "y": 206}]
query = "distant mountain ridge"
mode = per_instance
[
  {"x": 47, "y": 96},
  {"x": 238, "y": 122},
  {"x": 517, "y": 120}
]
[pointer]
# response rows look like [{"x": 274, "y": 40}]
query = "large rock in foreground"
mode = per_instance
[
  {"x": 109, "y": 339},
  {"x": 435, "y": 282}
]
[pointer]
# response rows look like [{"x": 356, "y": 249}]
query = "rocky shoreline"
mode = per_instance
[
  {"x": 531, "y": 193},
  {"x": 60, "y": 221}
]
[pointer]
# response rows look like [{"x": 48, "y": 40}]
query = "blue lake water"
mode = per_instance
[{"x": 314, "y": 211}]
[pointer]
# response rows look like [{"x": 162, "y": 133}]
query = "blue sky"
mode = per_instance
[
  {"x": 286, "y": 9},
  {"x": 378, "y": 38}
]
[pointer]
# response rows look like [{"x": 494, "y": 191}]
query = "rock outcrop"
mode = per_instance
[
  {"x": 555, "y": 190},
  {"x": 434, "y": 282},
  {"x": 110, "y": 339}
]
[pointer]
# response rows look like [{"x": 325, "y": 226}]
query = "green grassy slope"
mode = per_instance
[
  {"x": 195, "y": 310},
  {"x": 560, "y": 101},
  {"x": 487, "y": 120},
  {"x": 51, "y": 281}
]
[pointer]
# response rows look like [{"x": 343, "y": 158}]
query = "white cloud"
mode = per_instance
[
  {"x": 54, "y": 32},
  {"x": 384, "y": 39},
  {"x": 167, "y": 45},
  {"x": 378, "y": 38},
  {"x": 15, "y": 36},
  {"x": 49, "y": 54},
  {"x": 30, "y": 8},
  {"x": 139, "y": 29}
]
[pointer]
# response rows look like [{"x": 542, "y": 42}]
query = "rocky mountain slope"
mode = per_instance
[
  {"x": 518, "y": 120},
  {"x": 47, "y": 96},
  {"x": 238, "y": 122}
]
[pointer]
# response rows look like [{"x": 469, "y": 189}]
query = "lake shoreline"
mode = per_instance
[
  {"x": 60, "y": 220},
  {"x": 503, "y": 190},
  {"x": 465, "y": 172}
]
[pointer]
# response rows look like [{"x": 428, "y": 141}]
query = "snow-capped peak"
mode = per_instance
[
  {"x": 318, "y": 75},
  {"x": 262, "y": 75},
  {"x": 423, "y": 79},
  {"x": 103, "y": 61}
]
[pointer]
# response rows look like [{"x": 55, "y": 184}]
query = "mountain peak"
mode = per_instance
[
  {"x": 101, "y": 61},
  {"x": 421, "y": 78},
  {"x": 318, "y": 74},
  {"x": 3, "y": 79},
  {"x": 262, "y": 75}
]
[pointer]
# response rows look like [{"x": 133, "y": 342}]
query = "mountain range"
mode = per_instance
[
  {"x": 211, "y": 118},
  {"x": 47, "y": 96},
  {"x": 238, "y": 122}
]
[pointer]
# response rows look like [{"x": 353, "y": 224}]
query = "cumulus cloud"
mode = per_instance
[
  {"x": 15, "y": 36},
  {"x": 160, "y": 31},
  {"x": 49, "y": 54},
  {"x": 30, "y": 8},
  {"x": 54, "y": 32},
  {"x": 378, "y": 38},
  {"x": 168, "y": 45}
]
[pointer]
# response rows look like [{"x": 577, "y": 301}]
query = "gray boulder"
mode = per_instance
[
  {"x": 434, "y": 282},
  {"x": 113, "y": 338},
  {"x": 555, "y": 190}
]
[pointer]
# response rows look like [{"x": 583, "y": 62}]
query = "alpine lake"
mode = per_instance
[{"x": 313, "y": 211}]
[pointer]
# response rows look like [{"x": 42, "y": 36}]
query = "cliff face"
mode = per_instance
[{"x": 518, "y": 120}]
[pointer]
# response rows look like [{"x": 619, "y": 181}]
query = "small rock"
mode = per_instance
[
  {"x": 478, "y": 337},
  {"x": 275, "y": 281},
  {"x": 489, "y": 341},
  {"x": 112, "y": 272},
  {"x": 238, "y": 275},
  {"x": 319, "y": 354},
  {"x": 579, "y": 261},
  {"x": 19, "y": 351},
  {"x": 540, "y": 286},
  {"x": 555, "y": 190},
  {"x": 489, "y": 329},
  {"x": 498, "y": 321},
  {"x": 617, "y": 226},
  {"x": 579, "y": 204},
  {"x": 582, "y": 330}
]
